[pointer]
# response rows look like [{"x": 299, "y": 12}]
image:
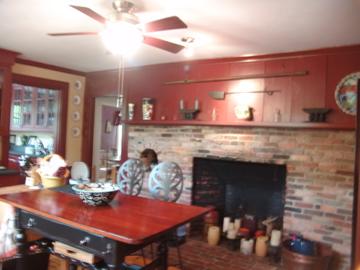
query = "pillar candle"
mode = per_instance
[
  {"x": 196, "y": 104},
  {"x": 231, "y": 226},
  {"x": 181, "y": 104},
  {"x": 231, "y": 234},
  {"x": 261, "y": 246},
  {"x": 226, "y": 223},
  {"x": 246, "y": 246},
  {"x": 275, "y": 238},
  {"x": 237, "y": 224},
  {"x": 213, "y": 236}
]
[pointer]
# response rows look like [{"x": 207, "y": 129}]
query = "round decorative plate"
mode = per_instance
[
  {"x": 345, "y": 93},
  {"x": 75, "y": 131},
  {"x": 78, "y": 84},
  {"x": 76, "y": 116},
  {"x": 76, "y": 100}
]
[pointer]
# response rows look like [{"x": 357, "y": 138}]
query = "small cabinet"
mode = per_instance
[{"x": 33, "y": 108}]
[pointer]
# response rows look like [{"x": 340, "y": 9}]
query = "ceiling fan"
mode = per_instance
[{"x": 124, "y": 15}]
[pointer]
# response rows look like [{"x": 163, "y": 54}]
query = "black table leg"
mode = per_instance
[
  {"x": 20, "y": 237},
  {"x": 163, "y": 255}
]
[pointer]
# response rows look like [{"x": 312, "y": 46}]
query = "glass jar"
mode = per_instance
[{"x": 147, "y": 108}]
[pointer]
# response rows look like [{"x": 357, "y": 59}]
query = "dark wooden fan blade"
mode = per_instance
[
  {"x": 72, "y": 34},
  {"x": 168, "y": 23},
  {"x": 89, "y": 12},
  {"x": 163, "y": 44}
]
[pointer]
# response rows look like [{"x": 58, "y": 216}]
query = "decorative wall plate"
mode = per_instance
[
  {"x": 76, "y": 100},
  {"x": 77, "y": 84},
  {"x": 346, "y": 93},
  {"x": 76, "y": 116},
  {"x": 75, "y": 131}
]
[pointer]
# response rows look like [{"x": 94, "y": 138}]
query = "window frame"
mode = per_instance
[{"x": 63, "y": 87}]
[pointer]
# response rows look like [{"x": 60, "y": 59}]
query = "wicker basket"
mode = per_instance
[{"x": 52, "y": 181}]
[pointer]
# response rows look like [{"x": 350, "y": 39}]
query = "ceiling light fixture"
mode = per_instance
[
  {"x": 121, "y": 38},
  {"x": 189, "y": 48}
]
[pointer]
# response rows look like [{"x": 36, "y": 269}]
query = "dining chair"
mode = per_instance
[
  {"x": 166, "y": 183},
  {"x": 130, "y": 177}
]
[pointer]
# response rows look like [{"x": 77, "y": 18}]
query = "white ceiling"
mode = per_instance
[{"x": 224, "y": 28}]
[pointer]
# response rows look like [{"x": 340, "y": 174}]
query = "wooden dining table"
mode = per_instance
[{"x": 110, "y": 232}]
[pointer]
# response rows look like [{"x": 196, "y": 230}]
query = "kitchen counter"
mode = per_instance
[{"x": 10, "y": 177}]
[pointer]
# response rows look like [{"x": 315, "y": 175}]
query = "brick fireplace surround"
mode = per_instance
[{"x": 320, "y": 164}]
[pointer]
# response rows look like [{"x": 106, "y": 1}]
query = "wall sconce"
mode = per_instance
[{"x": 189, "y": 114}]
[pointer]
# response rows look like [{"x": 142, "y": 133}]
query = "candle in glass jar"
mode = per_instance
[
  {"x": 275, "y": 238},
  {"x": 226, "y": 223}
]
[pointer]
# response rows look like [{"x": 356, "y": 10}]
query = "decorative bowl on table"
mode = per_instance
[{"x": 96, "y": 194}]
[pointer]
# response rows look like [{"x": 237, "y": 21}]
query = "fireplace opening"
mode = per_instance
[{"x": 237, "y": 187}]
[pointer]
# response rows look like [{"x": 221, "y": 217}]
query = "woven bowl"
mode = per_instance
[{"x": 96, "y": 194}]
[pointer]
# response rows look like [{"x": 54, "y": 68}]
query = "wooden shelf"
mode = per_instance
[{"x": 310, "y": 125}]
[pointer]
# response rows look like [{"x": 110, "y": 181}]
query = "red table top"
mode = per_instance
[{"x": 128, "y": 219}]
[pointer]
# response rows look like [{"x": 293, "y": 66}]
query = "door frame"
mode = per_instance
[{"x": 63, "y": 87}]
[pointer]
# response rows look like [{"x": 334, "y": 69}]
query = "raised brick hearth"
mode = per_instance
[{"x": 320, "y": 164}]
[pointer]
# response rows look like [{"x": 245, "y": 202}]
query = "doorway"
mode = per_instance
[{"x": 107, "y": 138}]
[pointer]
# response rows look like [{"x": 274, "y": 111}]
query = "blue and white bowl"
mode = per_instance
[{"x": 96, "y": 194}]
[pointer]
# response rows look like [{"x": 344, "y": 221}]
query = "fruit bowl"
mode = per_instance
[{"x": 96, "y": 194}]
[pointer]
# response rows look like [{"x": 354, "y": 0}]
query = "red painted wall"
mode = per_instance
[{"x": 326, "y": 68}]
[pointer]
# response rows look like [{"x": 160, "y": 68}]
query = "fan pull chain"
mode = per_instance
[{"x": 120, "y": 83}]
